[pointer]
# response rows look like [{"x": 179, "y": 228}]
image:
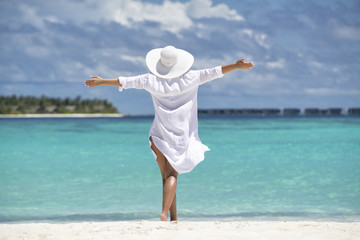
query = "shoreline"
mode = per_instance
[
  {"x": 123, "y": 115},
  {"x": 183, "y": 230}
]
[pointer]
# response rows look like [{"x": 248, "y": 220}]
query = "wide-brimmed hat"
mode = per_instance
[{"x": 169, "y": 62}]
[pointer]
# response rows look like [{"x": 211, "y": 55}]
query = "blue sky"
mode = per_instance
[{"x": 306, "y": 53}]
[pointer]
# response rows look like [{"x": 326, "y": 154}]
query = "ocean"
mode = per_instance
[{"x": 101, "y": 169}]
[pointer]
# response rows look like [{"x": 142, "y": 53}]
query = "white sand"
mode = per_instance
[{"x": 183, "y": 230}]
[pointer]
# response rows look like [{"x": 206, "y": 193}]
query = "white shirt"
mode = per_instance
[{"x": 174, "y": 130}]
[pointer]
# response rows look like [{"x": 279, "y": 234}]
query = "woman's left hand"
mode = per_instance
[{"x": 240, "y": 64}]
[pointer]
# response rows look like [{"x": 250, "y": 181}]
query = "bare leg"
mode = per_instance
[
  {"x": 169, "y": 192},
  {"x": 173, "y": 213}
]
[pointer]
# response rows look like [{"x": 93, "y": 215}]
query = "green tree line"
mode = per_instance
[{"x": 29, "y": 104}]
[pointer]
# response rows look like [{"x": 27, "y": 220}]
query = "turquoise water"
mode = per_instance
[{"x": 102, "y": 169}]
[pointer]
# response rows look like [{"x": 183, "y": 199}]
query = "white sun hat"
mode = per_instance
[{"x": 169, "y": 62}]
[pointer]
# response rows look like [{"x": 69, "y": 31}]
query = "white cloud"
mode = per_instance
[
  {"x": 256, "y": 80},
  {"x": 204, "y": 9},
  {"x": 74, "y": 71},
  {"x": 330, "y": 91},
  {"x": 252, "y": 82},
  {"x": 276, "y": 64},
  {"x": 201, "y": 63},
  {"x": 259, "y": 37},
  {"x": 37, "y": 51},
  {"x": 248, "y": 32},
  {"x": 317, "y": 67},
  {"x": 173, "y": 16},
  {"x": 306, "y": 20},
  {"x": 335, "y": 69},
  {"x": 14, "y": 73},
  {"x": 345, "y": 32},
  {"x": 34, "y": 45},
  {"x": 316, "y": 64},
  {"x": 31, "y": 15},
  {"x": 134, "y": 60}
]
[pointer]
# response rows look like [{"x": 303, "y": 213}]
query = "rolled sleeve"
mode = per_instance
[
  {"x": 210, "y": 74},
  {"x": 122, "y": 83},
  {"x": 138, "y": 82}
]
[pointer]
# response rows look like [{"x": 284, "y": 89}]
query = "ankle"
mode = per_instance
[{"x": 163, "y": 217}]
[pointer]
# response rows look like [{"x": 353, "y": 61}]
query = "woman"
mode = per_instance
[{"x": 173, "y": 136}]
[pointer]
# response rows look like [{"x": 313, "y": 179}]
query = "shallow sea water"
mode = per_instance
[{"x": 102, "y": 169}]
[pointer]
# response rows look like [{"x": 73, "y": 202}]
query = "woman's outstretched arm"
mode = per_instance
[
  {"x": 240, "y": 64},
  {"x": 98, "y": 81}
]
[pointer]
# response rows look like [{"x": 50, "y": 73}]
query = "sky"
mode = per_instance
[{"x": 306, "y": 53}]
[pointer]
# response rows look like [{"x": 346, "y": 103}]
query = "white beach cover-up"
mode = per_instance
[{"x": 174, "y": 130}]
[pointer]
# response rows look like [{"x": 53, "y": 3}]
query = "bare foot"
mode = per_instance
[{"x": 163, "y": 217}]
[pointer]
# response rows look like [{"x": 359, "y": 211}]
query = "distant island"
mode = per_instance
[
  {"x": 35, "y": 105},
  {"x": 43, "y": 105},
  {"x": 276, "y": 111}
]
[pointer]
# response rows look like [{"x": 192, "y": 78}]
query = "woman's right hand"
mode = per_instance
[{"x": 94, "y": 82}]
